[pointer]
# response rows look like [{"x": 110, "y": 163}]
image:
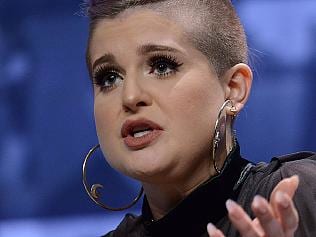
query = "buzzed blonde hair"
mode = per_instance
[{"x": 219, "y": 35}]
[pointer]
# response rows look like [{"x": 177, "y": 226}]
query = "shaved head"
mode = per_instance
[{"x": 212, "y": 26}]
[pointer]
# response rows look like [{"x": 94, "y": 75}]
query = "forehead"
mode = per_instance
[{"x": 137, "y": 27}]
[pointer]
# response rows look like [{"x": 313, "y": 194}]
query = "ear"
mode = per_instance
[{"x": 237, "y": 84}]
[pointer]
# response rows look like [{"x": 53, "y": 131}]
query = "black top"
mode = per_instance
[{"x": 240, "y": 181}]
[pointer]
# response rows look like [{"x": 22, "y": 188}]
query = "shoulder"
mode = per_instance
[
  {"x": 302, "y": 164},
  {"x": 264, "y": 177},
  {"x": 131, "y": 225}
]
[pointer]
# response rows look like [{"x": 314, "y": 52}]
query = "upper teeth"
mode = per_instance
[{"x": 141, "y": 133}]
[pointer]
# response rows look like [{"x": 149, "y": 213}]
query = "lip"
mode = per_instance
[{"x": 135, "y": 143}]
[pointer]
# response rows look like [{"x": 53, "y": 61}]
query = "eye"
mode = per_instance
[
  {"x": 163, "y": 65},
  {"x": 107, "y": 78}
]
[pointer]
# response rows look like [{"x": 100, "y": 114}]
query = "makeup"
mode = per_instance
[{"x": 140, "y": 133}]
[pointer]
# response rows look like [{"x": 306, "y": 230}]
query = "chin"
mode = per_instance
[{"x": 148, "y": 166}]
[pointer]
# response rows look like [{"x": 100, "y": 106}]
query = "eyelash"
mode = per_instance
[
  {"x": 100, "y": 74},
  {"x": 103, "y": 71},
  {"x": 168, "y": 60}
]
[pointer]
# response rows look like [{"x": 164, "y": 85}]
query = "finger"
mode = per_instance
[
  {"x": 213, "y": 231},
  {"x": 288, "y": 213},
  {"x": 269, "y": 223},
  {"x": 258, "y": 226},
  {"x": 288, "y": 186},
  {"x": 240, "y": 220}
]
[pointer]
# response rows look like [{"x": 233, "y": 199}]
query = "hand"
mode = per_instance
[{"x": 279, "y": 218}]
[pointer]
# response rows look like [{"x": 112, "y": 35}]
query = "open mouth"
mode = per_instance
[{"x": 140, "y": 133}]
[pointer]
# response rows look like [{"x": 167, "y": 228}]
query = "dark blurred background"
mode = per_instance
[{"x": 46, "y": 110}]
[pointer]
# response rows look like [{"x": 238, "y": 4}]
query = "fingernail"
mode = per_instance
[
  {"x": 230, "y": 205},
  {"x": 211, "y": 229},
  {"x": 259, "y": 207},
  {"x": 281, "y": 199},
  {"x": 295, "y": 178}
]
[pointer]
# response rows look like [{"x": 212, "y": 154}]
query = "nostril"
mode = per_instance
[
  {"x": 134, "y": 107},
  {"x": 126, "y": 108},
  {"x": 141, "y": 103}
]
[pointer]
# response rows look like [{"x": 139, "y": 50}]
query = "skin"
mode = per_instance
[
  {"x": 185, "y": 104},
  {"x": 277, "y": 218}
]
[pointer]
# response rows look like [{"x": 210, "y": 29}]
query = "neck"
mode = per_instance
[{"x": 163, "y": 197}]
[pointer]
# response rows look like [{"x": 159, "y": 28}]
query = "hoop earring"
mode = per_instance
[
  {"x": 221, "y": 127},
  {"x": 93, "y": 191}
]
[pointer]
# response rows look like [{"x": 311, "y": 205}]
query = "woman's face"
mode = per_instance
[{"x": 156, "y": 99}]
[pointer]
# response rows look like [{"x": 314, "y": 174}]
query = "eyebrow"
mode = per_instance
[
  {"x": 148, "y": 48},
  {"x": 141, "y": 50},
  {"x": 106, "y": 58}
]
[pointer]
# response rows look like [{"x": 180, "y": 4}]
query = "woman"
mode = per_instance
[{"x": 169, "y": 79}]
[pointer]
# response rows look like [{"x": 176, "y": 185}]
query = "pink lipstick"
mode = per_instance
[{"x": 140, "y": 133}]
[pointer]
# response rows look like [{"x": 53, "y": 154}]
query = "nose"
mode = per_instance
[{"x": 134, "y": 95}]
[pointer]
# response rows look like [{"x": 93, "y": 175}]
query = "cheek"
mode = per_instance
[
  {"x": 106, "y": 125},
  {"x": 105, "y": 120},
  {"x": 193, "y": 108},
  {"x": 197, "y": 97},
  {"x": 101, "y": 118}
]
